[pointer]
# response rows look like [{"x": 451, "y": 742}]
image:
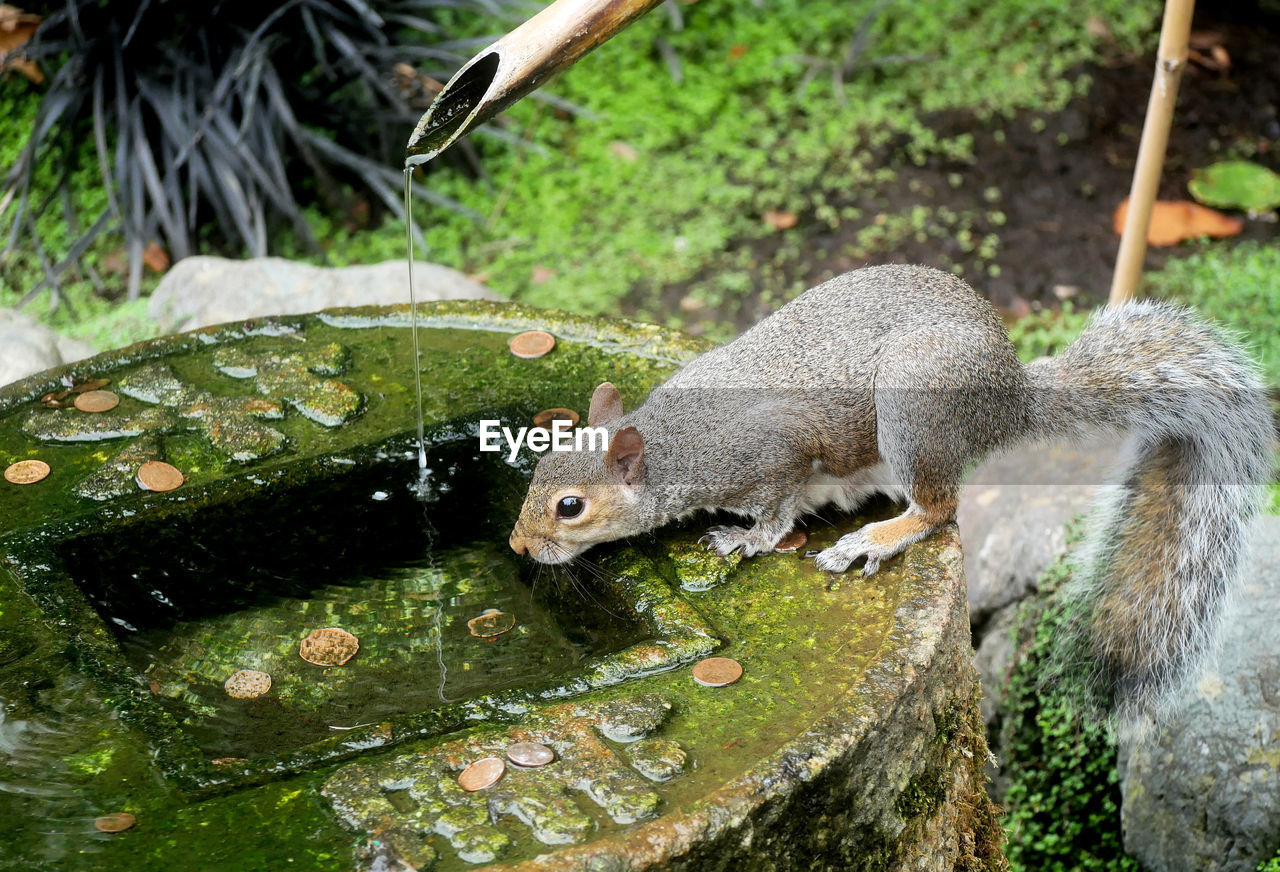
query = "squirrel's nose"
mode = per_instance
[{"x": 519, "y": 544}]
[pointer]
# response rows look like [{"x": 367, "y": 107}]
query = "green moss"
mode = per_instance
[
  {"x": 1063, "y": 799},
  {"x": 922, "y": 796}
]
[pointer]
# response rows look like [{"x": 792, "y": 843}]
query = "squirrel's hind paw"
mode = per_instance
[
  {"x": 849, "y": 548},
  {"x": 724, "y": 540}
]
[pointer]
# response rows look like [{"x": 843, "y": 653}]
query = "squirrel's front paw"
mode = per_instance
[
  {"x": 725, "y": 540},
  {"x": 849, "y": 548}
]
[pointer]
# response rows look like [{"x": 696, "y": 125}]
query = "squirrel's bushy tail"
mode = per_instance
[{"x": 1165, "y": 548}]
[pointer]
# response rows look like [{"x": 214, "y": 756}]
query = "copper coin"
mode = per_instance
[
  {"x": 547, "y": 417},
  {"x": 530, "y": 754},
  {"x": 717, "y": 671},
  {"x": 115, "y": 823},
  {"x": 491, "y": 623},
  {"x": 97, "y": 401},
  {"x": 156, "y": 475},
  {"x": 26, "y": 472},
  {"x": 533, "y": 343},
  {"x": 331, "y": 646},
  {"x": 483, "y": 773},
  {"x": 247, "y": 684},
  {"x": 793, "y": 541}
]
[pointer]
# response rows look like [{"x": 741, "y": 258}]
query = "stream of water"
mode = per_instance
[{"x": 413, "y": 319}]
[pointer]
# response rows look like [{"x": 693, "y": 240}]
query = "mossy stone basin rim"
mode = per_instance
[
  {"x": 313, "y": 407},
  {"x": 851, "y": 741}
]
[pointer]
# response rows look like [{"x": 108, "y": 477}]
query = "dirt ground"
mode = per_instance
[{"x": 1060, "y": 183}]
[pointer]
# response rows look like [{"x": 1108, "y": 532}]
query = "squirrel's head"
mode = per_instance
[{"x": 581, "y": 498}]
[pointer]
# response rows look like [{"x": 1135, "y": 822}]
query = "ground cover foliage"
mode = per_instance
[
  {"x": 774, "y": 116},
  {"x": 1062, "y": 803},
  {"x": 704, "y": 121}
]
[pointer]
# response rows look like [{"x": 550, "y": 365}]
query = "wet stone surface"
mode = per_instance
[
  {"x": 409, "y": 798},
  {"x": 233, "y": 425},
  {"x": 843, "y": 745}
]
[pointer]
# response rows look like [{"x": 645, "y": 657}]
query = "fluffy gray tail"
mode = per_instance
[{"x": 1166, "y": 547}]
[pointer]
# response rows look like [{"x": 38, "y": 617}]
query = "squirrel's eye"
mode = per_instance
[{"x": 570, "y": 507}]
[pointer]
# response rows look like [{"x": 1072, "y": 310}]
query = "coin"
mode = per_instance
[
  {"x": 156, "y": 475},
  {"x": 793, "y": 541},
  {"x": 533, "y": 343},
  {"x": 717, "y": 671},
  {"x": 483, "y": 773},
  {"x": 546, "y": 417},
  {"x": 530, "y": 754},
  {"x": 491, "y": 623},
  {"x": 97, "y": 401},
  {"x": 115, "y": 823},
  {"x": 26, "y": 471},
  {"x": 247, "y": 684},
  {"x": 331, "y": 646}
]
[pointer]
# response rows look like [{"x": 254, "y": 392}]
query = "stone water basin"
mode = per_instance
[{"x": 849, "y": 738}]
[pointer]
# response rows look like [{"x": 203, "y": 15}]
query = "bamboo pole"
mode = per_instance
[{"x": 1170, "y": 60}]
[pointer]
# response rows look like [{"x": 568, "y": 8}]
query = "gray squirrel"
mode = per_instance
[{"x": 897, "y": 379}]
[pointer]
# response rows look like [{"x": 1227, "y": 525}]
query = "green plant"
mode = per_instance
[
  {"x": 748, "y": 131},
  {"x": 1272, "y": 865},
  {"x": 1047, "y": 331},
  {"x": 1236, "y": 287},
  {"x": 1063, "y": 799},
  {"x": 228, "y": 115}
]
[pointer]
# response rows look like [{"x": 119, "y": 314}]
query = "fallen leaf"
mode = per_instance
[
  {"x": 1220, "y": 55},
  {"x": 624, "y": 150},
  {"x": 542, "y": 274},
  {"x": 155, "y": 257},
  {"x": 1097, "y": 28},
  {"x": 691, "y": 304},
  {"x": 1172, "y": 221},
  {"x": 16, "y": 29},
  {"x": 781, "y": 220},
  {"x": 1236, "y": 184},
  {"x": 737, "y": 51}
]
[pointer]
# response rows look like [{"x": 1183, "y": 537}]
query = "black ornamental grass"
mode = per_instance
[{"x": 219, "y": 122}]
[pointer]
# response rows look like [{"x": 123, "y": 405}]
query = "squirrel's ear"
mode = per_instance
[
  {"x": 606, "y": 404},
  {"x": 626, "y": 455}
]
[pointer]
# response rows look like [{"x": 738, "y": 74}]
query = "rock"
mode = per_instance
[
  {"x": 1013, "y": 516},
  {"x": 1204, "y": 793},
  {"x": 994, "y": 661},
  {"x": 199, "y": 291},
  {"x": 27, "y": 346}
]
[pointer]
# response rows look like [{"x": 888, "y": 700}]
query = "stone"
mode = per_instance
[
  {"x": 201, "y": 290},
  {"x": 27, "y": 346},
  {"x": 1203, "y": 793},
  {"x": 853, "y": 739},
  {"x": 1013, "y": 516}
]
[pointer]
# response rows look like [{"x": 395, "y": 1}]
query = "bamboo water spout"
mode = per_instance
[{"x": 555, "y": 38}]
